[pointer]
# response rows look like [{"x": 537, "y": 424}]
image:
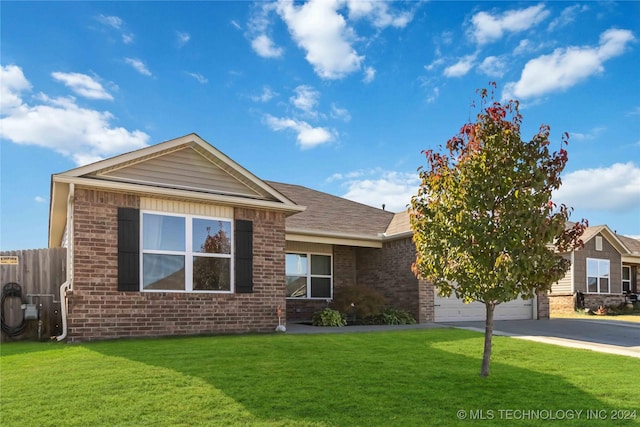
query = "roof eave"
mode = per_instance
[{"x": 150, "y": 190}]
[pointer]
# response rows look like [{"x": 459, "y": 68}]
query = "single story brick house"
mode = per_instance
[
  {"x": 603, "y": 273},
  {"x": 178, "y": 239}
]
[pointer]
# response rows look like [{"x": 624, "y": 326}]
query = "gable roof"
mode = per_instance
[
  {"x": 605, "y": 231},
  {"x": 332, "y": 219},
  {"x": 186, "y": 168}
]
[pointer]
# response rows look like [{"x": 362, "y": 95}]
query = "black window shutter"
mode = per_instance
[
  {"x": 128, "y": 249},
  {"x": 244, "y": 256}
]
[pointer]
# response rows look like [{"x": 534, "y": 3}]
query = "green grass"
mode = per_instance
[{"x": 401, "y": 378}]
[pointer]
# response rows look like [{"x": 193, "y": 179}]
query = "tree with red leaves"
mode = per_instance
[{"x": 485, "y": 227}]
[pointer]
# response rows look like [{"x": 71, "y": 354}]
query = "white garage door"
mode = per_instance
[{"x": 452, "y": 309}]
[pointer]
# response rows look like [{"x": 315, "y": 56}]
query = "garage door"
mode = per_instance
[{"x": 452, "y": 309}]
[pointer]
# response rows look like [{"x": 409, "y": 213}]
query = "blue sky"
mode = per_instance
[{"x": 339, "y": 96}]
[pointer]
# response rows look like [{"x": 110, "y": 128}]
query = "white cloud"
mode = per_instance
[
  {"x": 235, "y": 24},
  {"x": 183, "y": 38},
  {"x": 139, "y": 66},
  {"x": 264, "y": 46},
  {"x": 39, "y": 199},
  {"x": 306, "y": 99},
  {"x": 493, "y": 66},
  {"x": 199, "y": 77},
  {"x": 567, "y": 67},
  {"x": 369, "y": 74},
  {"x": 83, "y": 85},
  {"x": 567, "y": 16},
  {"x": 60, "y": 124},
  {"x": 308, "y": 136},
  {"x": 340, "y": 113},
  {"x": 378, "y": 13},
  {"x": 590, "y": 135},
  {"x": 322, "y": 32},
  {"x": 116, "y": 23},
  {"x": 12, "y": 84},
  {"x": 111, "y": 21},
  {"x": 460, "y": 68},
  {"x": 435, "y": 63},
  {"x": 376, "y": 187},
  {"x": 613, "y": 189},
  {"x": 487, "y": 28},
  {"x": 266, "y": 95}
]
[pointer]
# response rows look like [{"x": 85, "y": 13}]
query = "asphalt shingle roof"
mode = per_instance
[{"x": 332, "y": 214}]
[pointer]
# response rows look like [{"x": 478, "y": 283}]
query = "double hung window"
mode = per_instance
[
  {"x": 598, "y": 276},
  {"x": 309, "y": 276},
  {"x": 626, "y": 278},
  {"x": 186, "y": 253}
]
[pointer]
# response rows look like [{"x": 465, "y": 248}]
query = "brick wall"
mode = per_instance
[
  {"x": 542, "y": 299},
  {"x": 344, "y": 274},
  {"x": 97, "y": 310},
  {"x": 388, "y": 270}
]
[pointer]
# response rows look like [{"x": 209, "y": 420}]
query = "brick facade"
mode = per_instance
[
  {"x": 97, "y": 310},
  {"x": 386, "y": 269},
  {"x": 543, "y": 309}
]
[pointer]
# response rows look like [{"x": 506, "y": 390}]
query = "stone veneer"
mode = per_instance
[
  {"x": 97, "y": 310},
  {"x": 565, "y": 303}
]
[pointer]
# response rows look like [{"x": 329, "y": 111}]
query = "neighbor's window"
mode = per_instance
[
  {"x": 626, "y": 278},
  {"x": 185, "y": 253},
  {"x": 597, "y": 276},
  {"x": 309, "y": 276}
]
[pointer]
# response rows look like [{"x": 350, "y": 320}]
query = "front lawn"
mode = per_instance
[{"x": 401, "y": 378}]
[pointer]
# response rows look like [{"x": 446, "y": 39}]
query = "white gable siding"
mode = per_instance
[
  {"x": 318, "y": 248},
  {"x": 176, "y": 206},
  {"x": 185, "y": 169}
]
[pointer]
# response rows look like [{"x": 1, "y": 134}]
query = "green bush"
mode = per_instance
[
  {"x": 358, "y": 302},
  {"x": 392, "y": 316},
  {"x": 328, "y": 317}
]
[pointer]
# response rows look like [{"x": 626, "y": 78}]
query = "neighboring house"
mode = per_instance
[
  {"x": 178, "y": 239},
  {"x": 605, "y": 272}
]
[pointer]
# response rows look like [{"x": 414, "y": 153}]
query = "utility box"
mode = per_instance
[{"x": 30, "y": 312}]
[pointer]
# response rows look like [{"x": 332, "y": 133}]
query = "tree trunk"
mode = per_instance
[{"x": 488, "y": 335}]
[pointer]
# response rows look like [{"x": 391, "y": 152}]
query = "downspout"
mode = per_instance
[{"x": 68, "y": 284}]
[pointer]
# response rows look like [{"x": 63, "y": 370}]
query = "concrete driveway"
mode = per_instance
[{"x": 607, "y": 336}]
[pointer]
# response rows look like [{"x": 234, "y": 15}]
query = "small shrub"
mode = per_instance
[
  {"x": 392, "y": 316},
  {"x": 358, "y": 302},
  {"x": 328, "y": 317}
]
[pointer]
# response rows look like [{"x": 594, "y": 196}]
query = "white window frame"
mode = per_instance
[
  {"x": 599, "y": 275},
  {"x": 623, "y": 280},
  {"x": 188, "y": 253},
  {"x": 309, "y": 276}
]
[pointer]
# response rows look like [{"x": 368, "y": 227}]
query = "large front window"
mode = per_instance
[
  {"x": 309, "y": 276},
  {"x": 598, "y": 276},
  {"x": 186, "y": 253}
]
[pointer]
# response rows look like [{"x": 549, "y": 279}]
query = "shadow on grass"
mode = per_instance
[{"x": 396, "y": 378}]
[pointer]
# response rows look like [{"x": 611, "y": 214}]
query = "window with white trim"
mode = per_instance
[
  {"x": 598, "y": 274},
  {"x": 185, "y": 253},
  {"x": 626, "y": 278},
  {"x": 309, "y": 276}
]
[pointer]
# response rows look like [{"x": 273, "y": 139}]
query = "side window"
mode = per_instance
[{"x": 309, "y": 276}]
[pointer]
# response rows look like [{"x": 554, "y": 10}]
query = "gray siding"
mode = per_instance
[{"x": 607, "y": 252}]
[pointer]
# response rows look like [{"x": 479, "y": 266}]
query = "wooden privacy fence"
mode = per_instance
[{"x": 39, "y": 272}]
